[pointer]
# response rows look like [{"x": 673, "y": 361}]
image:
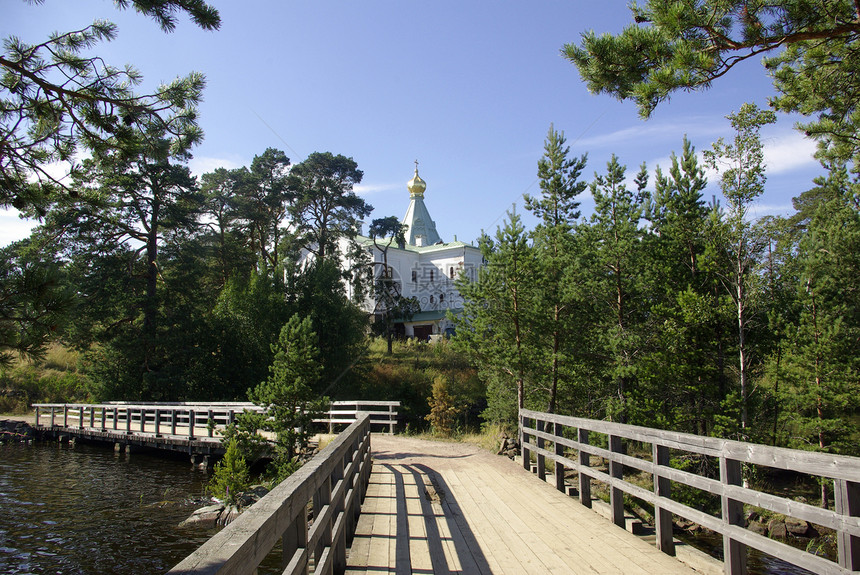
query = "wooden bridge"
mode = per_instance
[
  {"x": 434, "y": 507},
  {"x": 188, "y": 427}
]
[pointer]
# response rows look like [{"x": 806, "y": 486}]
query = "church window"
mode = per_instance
[
  {"x": 452, "y": 272},
  {"x": 431, "y": 275}
]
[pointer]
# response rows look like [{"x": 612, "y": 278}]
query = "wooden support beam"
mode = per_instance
[
  {"x": 734, "y": 552},
  {"x": 662, "y": 488},
  {"x": 584, "y": 461},
  {"x": 847, "y": 495},
  {"x": 616, "y": 470}
]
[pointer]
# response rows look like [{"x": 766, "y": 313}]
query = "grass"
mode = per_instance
[{"x": 55, "y": 378}]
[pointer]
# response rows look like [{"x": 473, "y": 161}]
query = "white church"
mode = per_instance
[{"x": 425, "y": 268}]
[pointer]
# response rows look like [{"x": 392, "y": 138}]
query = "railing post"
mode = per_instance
[
  {"x": 524, "y": 441},
  {"x": 847, "y": 495},
  {"x": 559, "y": 450},
  {"x": 662, "y": 488},
  {"x": 128, "y": 420},
  {"x": 584, "y": 461},
  {"x": 616, "y": 470},
  {"x": 211, "y": 427},
  {"x": 322, "y": 498},
  {"x": 734, "y": 552},
  {"x": 142, "y": 419},
  {"x": 157, "y": 422},
  {"x": 391, "y": 419},
  {"x": 191, "y": 421},
  {"x": 52, "y": 416},
  {"x": 66, "y": 415},
  {"x": 104, "y": 417},
  {"x": 339, "y": 546},
  {"x": 173, "y": 421},
  {"x": 92, "y": 416},
  {"x": 296, "y": 538},
  {"x": 38, "y": 422},
  {"x": 541, "y": 459}
]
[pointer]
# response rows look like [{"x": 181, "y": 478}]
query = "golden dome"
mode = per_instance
[{"x": 416, "y": 185}]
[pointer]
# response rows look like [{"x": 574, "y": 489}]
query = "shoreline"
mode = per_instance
[{"x": 25, "y": 417}]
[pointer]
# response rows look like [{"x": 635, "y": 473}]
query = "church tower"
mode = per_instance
[{"x": 421, "y": 229}]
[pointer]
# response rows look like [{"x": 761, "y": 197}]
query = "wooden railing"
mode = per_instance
[
  {"x": 570, "y": 443},
  {"x": 334, "y": 482},
  {"x": 188, "y": 419},
  {"x": 193, "y": 420},
  {"x": 345, "y": 412}
]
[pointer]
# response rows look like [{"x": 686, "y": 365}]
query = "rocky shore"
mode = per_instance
[
  {"x": 220, "y": 514},
  {"x": 16, "y": 431}
]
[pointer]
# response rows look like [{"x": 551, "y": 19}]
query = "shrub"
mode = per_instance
[{"x": 230, "y": 476}]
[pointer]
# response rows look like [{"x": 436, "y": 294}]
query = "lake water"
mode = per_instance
[{"x": 85, "y": 509}]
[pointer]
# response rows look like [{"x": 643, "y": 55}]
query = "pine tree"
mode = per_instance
[
  {"x": 495, "y": 326},
  {"x": 560, "y": 292},
  {"x": 288, "y": 393},
  {"x": 614, "y": 238}
]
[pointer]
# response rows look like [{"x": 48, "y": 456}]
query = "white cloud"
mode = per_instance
[
  {"x": 13, "y": 228},
  {"x": 789, "y": 151},
  {"x": 646, "y": 132},
  {"x": 204, "y": 165},
  {"x": 370, "y": 189}
]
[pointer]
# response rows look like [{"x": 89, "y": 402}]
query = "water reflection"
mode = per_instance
[{"x": 87, "y": 510}]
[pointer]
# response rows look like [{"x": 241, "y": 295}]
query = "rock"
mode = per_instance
[
  {"x": 259, "y": 491},
  {"x": 753, "y": 516},
  {"x": 776, "y": 528},
  {"x": 13, "y": 431},
  {"x": 758, "y": 527},
  {"x": 228, "y": 514},
  {"x": 797, "y": 527},
  {"x": 204, "y": 517}
]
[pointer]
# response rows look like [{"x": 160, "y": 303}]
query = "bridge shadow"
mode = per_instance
[{"x": 429, "y": 530}]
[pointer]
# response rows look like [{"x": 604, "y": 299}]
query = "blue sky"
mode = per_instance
[{"x": 469, "y": 89}]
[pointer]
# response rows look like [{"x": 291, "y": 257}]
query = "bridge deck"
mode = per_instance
[{"x": 442, "y": 507}]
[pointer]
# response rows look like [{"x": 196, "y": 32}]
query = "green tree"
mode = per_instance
[
  {"x": 494, "y": 327},
  {"x": 687, "y": 45},
  {"x": 262, "y": 205},
  {"x": 318, "y": 292},
  {"x": 128, "y": 208},
  {"x": 614, "y": 282},
  {"x": 35, "y": 300},
  {"x": 388, "y": 290},
  {"x": 230, "y": 476},
  {"x": 221, "y": 218},
  {"x": 56, "y": 98},
  {"x": 822, "y": 370},
  {"x": 325, "y": 208},
  {"x": 742, "y": 178},
  {"x": 288, "y": 393},
  {"x": 557, "y": 209},
  {"x": 681, "y": 367}
]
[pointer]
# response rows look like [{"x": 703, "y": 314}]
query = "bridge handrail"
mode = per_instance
[
  {"x": 335, "y": 480},
  {"x": 195, "y": 416},
  {"x": 160, "y": 418},
  {"x": 337, "y": 413},
  {"x": 537, "y": 428}
]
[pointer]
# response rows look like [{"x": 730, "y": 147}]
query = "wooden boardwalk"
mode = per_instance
[{"x": 436, "y": 507}]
